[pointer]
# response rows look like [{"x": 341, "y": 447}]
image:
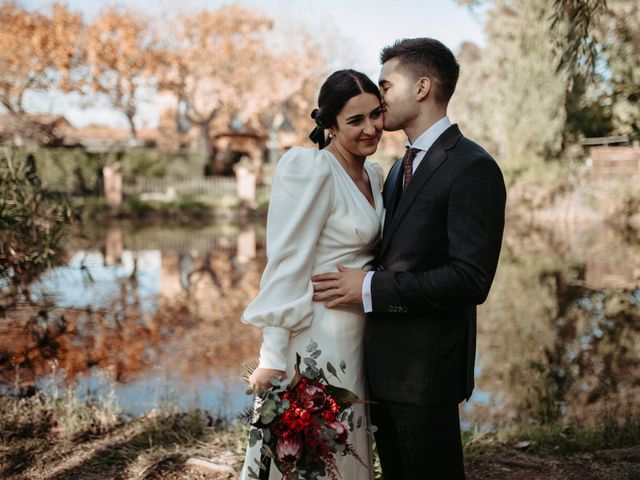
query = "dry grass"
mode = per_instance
[
  {"x": 55, "y": 439},
  {"x": 47, "y": 438}
]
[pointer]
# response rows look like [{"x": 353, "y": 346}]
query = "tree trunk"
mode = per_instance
[
  {"x": 132, "y": 126},
  {"x": 206, "y": 145}
]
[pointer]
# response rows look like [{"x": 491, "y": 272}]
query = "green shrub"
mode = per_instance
[
  {"x": 77, "y": 171},
  {"x": 32, "y": 221}
]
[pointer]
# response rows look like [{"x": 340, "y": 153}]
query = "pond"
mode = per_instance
[{"x": 149, "y": 315}]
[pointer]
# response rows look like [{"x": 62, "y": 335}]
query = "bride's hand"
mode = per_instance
[{"x": 260, "y": 379}]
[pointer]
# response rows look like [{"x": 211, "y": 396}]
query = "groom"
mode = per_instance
[{"x": 440, "y": 245}]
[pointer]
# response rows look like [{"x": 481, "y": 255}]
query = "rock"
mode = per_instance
[{"x": 209, "y": 466}]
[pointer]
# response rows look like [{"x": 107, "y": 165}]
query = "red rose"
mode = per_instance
[{"x": 312, "y": 397}]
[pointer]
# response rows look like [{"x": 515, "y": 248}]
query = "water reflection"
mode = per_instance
[
  {"x": 164, "y": 321},
  {"x": 560, "y": 334},
  {"x": 158, "y": 308}
]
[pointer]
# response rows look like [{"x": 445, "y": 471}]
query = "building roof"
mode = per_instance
[{"x": 10, "y": 121}]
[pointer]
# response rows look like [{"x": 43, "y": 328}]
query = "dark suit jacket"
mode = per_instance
[{"x": 437, "y": 259}]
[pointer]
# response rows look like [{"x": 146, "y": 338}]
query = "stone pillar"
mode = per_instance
[
  {"x": 170, "y": 285},
  {"x": 246, "y": 185},
  {"x": 112, "y": 185},
  {"x": 113, "y": 246},
  {"x": 246, "y": 244}
]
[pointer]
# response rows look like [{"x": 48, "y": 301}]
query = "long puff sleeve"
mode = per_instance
[{"x": 301, "y": 199}]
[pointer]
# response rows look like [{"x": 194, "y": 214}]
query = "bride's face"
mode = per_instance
[{"x": 359, "y": 125}]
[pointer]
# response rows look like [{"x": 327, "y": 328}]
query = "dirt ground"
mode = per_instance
[
  {"x": 622, "y": 464},
  {"x": 618, "y": 464},
  {"x": 118, "y": 457}
]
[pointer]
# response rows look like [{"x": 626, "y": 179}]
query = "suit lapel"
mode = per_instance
[
  {"x": 432, "y": 160},
  {"x": 390, "y": 194}
]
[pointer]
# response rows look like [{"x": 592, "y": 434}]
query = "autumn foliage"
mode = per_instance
[
  {"x": 39, "y": 52},
  {"x": 121, "y": 57},
  {"x": 226, "y": 65}
]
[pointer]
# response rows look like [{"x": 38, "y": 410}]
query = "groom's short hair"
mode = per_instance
[{"x": 426, "y": 57}]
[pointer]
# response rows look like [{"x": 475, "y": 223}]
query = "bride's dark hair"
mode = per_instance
[{"x": 335, "y": 92}]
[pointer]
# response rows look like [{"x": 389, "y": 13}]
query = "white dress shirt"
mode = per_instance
[{"x": 423, "y": 143}]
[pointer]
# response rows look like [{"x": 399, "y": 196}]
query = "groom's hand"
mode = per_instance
[{"x": 343, "y": 287}]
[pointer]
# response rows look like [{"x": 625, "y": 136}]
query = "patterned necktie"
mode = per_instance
[{"x": 407, "y": 162}]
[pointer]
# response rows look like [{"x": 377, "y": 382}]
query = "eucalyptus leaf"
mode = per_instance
[
  {"x": 271, "y": 395},
  {"x": 267, "y": 417},
  {"x": 266, "y": 450},
  {"x": 276, "y": 382},
  {"x": 332, "y": 370},
  {"x": 255, "y": 435},
  {"x": 343, "y": 366},
  {"x": 316, "y": 354},
  {"x": 312, "y": 346},
  {"x": 323, "y": 376}
]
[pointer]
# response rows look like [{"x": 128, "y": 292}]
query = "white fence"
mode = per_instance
[{"x": 166, "y": 189}]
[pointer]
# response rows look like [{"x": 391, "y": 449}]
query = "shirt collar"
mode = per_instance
[{"x": 427, "y": 138}]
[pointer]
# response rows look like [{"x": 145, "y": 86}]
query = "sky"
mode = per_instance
[{"x": 360, "y": 28}]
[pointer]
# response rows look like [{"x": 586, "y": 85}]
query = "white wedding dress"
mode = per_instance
[{"x": 317, "y": 219}]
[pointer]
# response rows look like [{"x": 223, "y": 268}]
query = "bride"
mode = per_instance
[{"x": 325, "y": 210}]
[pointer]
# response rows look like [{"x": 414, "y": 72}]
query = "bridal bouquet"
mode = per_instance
[{"x": 303, "y": 425}]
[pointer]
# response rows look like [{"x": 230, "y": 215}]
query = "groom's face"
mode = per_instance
[{"x": 398, "y": 97}]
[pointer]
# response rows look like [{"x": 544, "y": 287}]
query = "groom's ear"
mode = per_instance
[{"x": 423, "y": 87}]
